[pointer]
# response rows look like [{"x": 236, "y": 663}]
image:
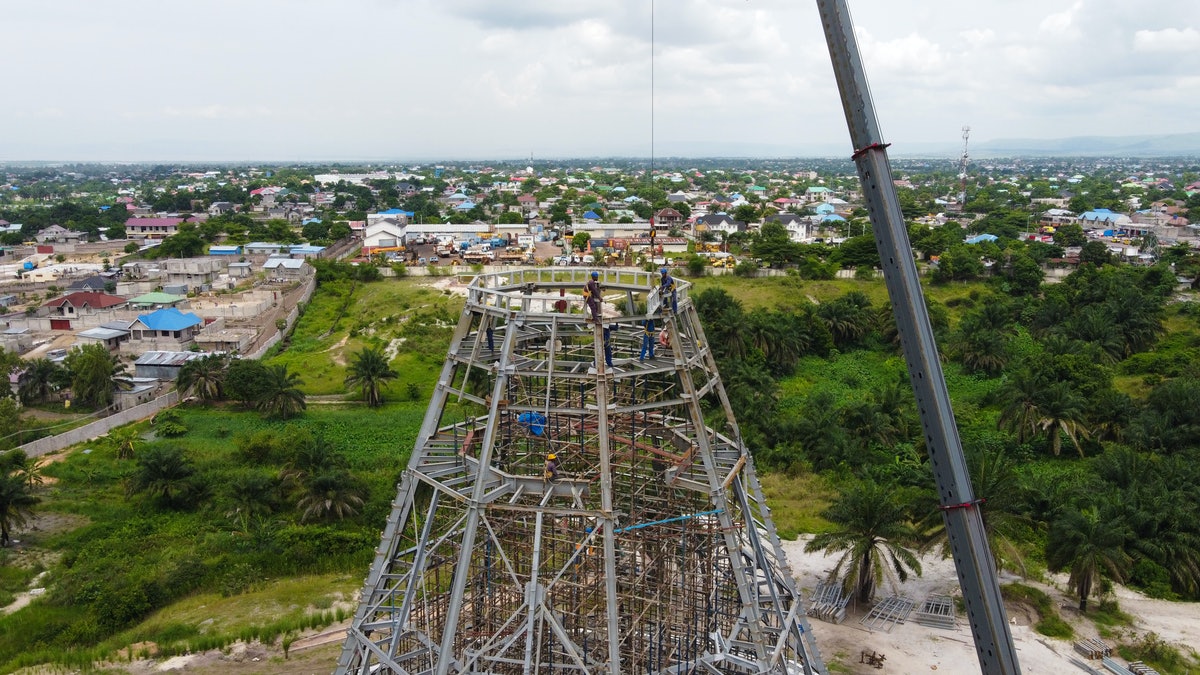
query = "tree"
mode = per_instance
[
  {"x": 1088, "y": 543},
  {"x": 124, "y": 441},
  {"x": 1062, "y": 413},
  {"x": 774, "y": 245},
  {"x": 167, "y": 474},
  {"x": 39, "y": 381},
  {"x": 95, "y": 372},
  {"x": 369, "y": 372},
  {"x": 1096, "y": 253},
  {"x": 205, "y": 377},
  {"x": 1021, "y": 414},
  {"x": 185, "y": 243},
  {"x": 1070, "y": 234},
  {"x": 859, "y": 251},
  {"x": 848, "y": 322},
  {"x": 281, "y": 397},
  {"x": 250, "y": 495},
  {"x": 580, "y": 240},
  {"x": 329, "y": 495},
  {"x": 245, "y": 380},
  {"x": 16, "y": 504},
  {"x": 872, "y": 530}
]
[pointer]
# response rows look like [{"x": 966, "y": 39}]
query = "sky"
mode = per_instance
[{"x": 420, "y": 80}]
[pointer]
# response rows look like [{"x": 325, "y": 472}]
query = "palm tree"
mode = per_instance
[
  {"x": 167, "y": 474},
  {"x": 16, "y": 505},
  {"x": 124, "y": 441},
  {"x": 848, "y": 322},
  {"x": 250, "y": 495},
  {"x": 872, "y": 530},
  {"x": 281, "y": 396},
  {"x": 1061, "y": 412},
  {"x": 369, "y": 372},
  {"x": 204, "y": 376},
  {"x": 95, "y": 372},
  {"x": 18, "y": 464},
  {"x": 1088, "y": 544},
  {"x": 332, "y": 494},
  {"x": 39, "y": 381},
  {"x": 984, "y": 351},
  {"x": 1021, "y": 414}
]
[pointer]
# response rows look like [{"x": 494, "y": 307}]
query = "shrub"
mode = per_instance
[{"x": 169, "y": 424}]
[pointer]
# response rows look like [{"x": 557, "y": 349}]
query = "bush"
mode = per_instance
[
  {"x": 1156, "y": 652},
  {"x": 746, "y": 268},
  {"x": 1051, "y": 624},
  {"x": 169, "y": 424}
]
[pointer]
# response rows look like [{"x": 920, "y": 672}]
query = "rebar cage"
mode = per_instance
[{"x": 568, "y": 507}]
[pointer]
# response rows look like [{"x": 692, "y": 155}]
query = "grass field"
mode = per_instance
[{"x": 405, "y": 316}]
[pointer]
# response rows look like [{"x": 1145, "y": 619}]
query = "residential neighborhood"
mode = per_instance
[{"x": 150, "y": 260}]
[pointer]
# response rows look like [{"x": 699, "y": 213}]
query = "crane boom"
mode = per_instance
[{"x": 964, "y": 523}]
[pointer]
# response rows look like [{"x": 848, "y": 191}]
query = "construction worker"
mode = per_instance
[
  {"x": 551, "y": 472},
  {"x": 664, "y": 338},
  {"x": 647, "y": 340},
  {"x": 666, "y": 290},
  {"x": 591, "y": 295}
]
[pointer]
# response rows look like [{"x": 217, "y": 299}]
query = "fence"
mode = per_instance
[{"x": 100, "y": 427}]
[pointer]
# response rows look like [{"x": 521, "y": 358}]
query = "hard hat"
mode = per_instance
[
  {"x": 663, "y": 270},
  {"x": 595, "y": 275},
  {"x": 552, "y": 456}
]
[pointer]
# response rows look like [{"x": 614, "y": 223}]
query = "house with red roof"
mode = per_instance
[
  {"x": 62, "y": 311},
  {"x": 73, "y": 303}
]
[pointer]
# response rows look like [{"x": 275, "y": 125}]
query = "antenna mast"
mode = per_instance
[{"x": 962, "y": 170}]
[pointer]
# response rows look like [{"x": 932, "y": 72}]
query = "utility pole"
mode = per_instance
[{"x": 960, "y": 509}]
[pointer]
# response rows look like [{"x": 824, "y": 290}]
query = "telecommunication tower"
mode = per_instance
[
  {"x": 962, "y": 169},
  {"x": 573, "y": 507}
]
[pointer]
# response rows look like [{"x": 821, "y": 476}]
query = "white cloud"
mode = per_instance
[
  {"x": 430, "y": 78},
  {"x": 1063, "y": 24},
  {"x": 1167, "y": 40}
]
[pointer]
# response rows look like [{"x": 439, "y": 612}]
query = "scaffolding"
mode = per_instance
[{"x": 568, "y": 507}]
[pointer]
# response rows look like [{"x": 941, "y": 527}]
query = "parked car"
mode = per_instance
[{"x": 421, "y": 261}]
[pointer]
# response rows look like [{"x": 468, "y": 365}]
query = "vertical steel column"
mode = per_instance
[
  {"x": 611, "y": 610},
  {"x": 474, "y": 511},
  {"x": 964, "y": 523}
]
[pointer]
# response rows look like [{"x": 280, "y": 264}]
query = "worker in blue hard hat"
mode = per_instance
[
  {"x": 591, "y": 295},
  {"x": 666, "y": 290}
]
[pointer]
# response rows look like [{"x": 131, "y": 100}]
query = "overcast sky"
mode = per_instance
[{"x": 426, "y": 79}]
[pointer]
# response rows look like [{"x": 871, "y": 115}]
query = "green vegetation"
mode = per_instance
[
  {"x": 1077, "y": 407},
  {"x": 346, "y": 317},
  {"x": 224, "y": 509},
  {"x": 1049, "y": 622}
]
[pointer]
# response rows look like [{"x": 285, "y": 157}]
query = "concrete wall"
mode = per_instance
[
  {"x": 305, "y": 296},
  {"x": 100, "y": 427}
]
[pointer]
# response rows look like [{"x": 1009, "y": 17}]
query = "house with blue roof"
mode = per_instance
[{"x": 166, "y": 329}]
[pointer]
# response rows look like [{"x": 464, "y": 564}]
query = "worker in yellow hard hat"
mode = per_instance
[{"x": 551, "y": 471}]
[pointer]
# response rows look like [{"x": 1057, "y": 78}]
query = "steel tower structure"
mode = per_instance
[
  {"x": 960, "y": 512},
  {"x": 646, "y": 548}
]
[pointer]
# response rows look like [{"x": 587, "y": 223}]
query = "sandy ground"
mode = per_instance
[{"x": 913, "y": 648}]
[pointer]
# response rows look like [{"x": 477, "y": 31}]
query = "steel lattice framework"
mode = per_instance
[{"x": 652, "y": 551}]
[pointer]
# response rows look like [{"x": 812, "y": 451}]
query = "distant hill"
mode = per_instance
[{"x": 1127, "y": 146}]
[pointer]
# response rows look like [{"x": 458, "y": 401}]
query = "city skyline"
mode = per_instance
[{"x": 133, "y": 80}]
